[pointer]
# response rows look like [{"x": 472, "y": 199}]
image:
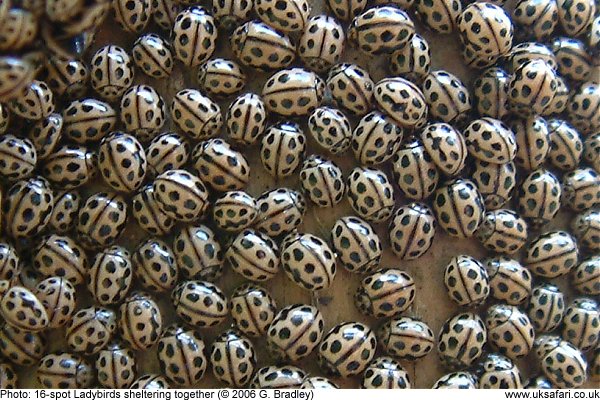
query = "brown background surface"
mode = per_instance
[{"x": 432, "y": 303}]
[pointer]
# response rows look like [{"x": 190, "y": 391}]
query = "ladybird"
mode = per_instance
[
  {"x": 496, "y": 371},
  {"x": 385, "y": 373},
  {"x": 67, "y": 77},
  {"x": 552, "y": 254},
  {"x": 414, "y": 171},
  {"x": 91, "y": 329},
  {"x": 181, "y": 355},
  {"x": 246, "y": 119},
  {"x": 10, "y": 265},
  {"x": 322, "y": 181},
  {"x": 581, "y": 189},
  {"x": 101, "y": 220},
  {"x": 308, "y": 261},
  {"x": 198, "y": 253},
  {"x": 272, "y": 377},
  {"x": 122, "y": 161},
  {"x": 486, "y": 29},
  {"x": 575, "y": 17},
  {"x": 110, "y": 275},
  {"x": 583, "y": 107},
  {"x": 279, "y": 211},
  {"x": 58, "y": 297},
  {"x": 534, "y": 18},
  {"x": 573, "y": 59},
  {"x": 199, "y": 303},
  {"x": 17, "y": 73},
  {"x": 19, "y": 30},
  {"x": 27, "y": 207},
  {"x": 234, "y": 211},
  {"x": 22, "y": 309},
  {"x": 561, "y": 98},
  {"x": 155, "y": 266},
  {"x": 490, "y": 140},
  {"x": 233, "y": 358},
  {"x": 117, "y": 366},
  {"x": 253, "y": 255},
  {"x": 152, "y": 54},
  {"x": 62, "y": 10},
  {"x": 70, "y": 166},
  {"x": 456, "y": 380},
  {"x": 347, "y": 349},
  {"x": 402, "y": 101},
  {"x": 195, "y": 114},
  {"x": 36, "y": 102},
  {"x": 539, "y": 197},
  {"x": 258, "y": 45},
  {"x": 490, "y": 93},
  {"x": 8, "y": 376},
  {"x": 132, "y": 17},
  {"x": 61, "y": 256},
  {"x": 143, "y": 111},
  {"x": 150, "y": 382},
  {"x": 19, "y": 157},
  {"x": 220, "y": 166},
  {"x": 532, "y": 137},
  {"x": 591, "y": 151},
  {"x": 322, "y": 43},
  {"x": 546, "y": 307},
  {"x": 495, "y": 182},
  {"x": 112, "y": 72},
  {"x": 252, "y": 309},
  {"x": 385, "y": 293},
  {"x": 532, "y": 87},
  {"x": 318, "y": 382},
  {"x": 584, "y": 277},
  {"x": 331, "y": 129},
  {"x": 167, "y": 151},
  {"x": 502, "y": 231},
  {"x": 461, "y": 340},
  {"x": 375, "y": 139},
  {"x": 346, "y": 10},
  {"x": 295, "y": 332},
  {"x": 21, "y": 347},
  {"x": 586, "y": 228},
  {"x": 406, "y": 337},
  {"x": 180, "y": 195},
  {"x": 527, "y": 51},
  {"x": 351, "y": 88},
  {"x": 459, "y": 207},
  {"x": 411, "y": 231},
  {"x": 293, "y": 92},
  {"x": 581, "y": 324},
  {"x": 88, "y": 120},
  {"x": 221, "y": 77},
  {"x": 466, "y": 281},
  {"x": 45, "y": 135},
  {"x": 561, "y": 362},
  {"x": 286, "y": 16},
  {"x": 446, "y": 147},
  {"x": 509, "y": 330},
  {"x": 381, "y": 29},
  {"x": 282, "y": 148},
  {"x": 448, "y": 98},
  {"x": 371, "y": 194},
  {"x": 413, "y": 60},
  {"x": 140, "y": 321},
  {"x": 356, "y": 244},
  {"x": 148, "y": 215},
  {"x": 164, "y": 13},
  {"x": 439, "y": 15},
  {"x": 566, "y": 147},
  {"x": 230, "y": 13},
  {"x": 194, "y": 36},
  {"x": 65, "y": 371}
]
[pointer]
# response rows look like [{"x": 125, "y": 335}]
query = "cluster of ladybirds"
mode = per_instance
[{"x": 532, "y": 116}]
